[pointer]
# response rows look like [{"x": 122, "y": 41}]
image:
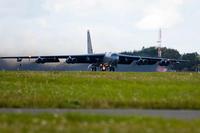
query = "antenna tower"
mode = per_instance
[{"x": 160, "y": 43}]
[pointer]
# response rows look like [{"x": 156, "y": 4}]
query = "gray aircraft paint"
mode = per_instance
[{"x": 26, "y": 65}]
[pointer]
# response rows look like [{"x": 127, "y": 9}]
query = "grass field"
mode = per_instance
[
  {"x": 77, "y": 123},
  {"x": 99, "y": 90}
]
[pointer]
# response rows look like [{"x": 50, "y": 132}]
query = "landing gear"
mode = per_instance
[
  {"x": 19, "y": 68},
  {"x": 101, "y": 67},
  {"x": 94, "y": 68},
  {"x": 104, "y": 67},
  {"x": 112, "y": 68}
]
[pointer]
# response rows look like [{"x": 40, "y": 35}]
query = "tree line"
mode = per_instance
[{"x": 193, "y": 63}]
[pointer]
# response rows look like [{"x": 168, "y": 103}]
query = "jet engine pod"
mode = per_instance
[
  {"x": 19, "y": 59},
  {"x": 40, "y": 60},
  {"x": 164, "y": 63},
  {"x": 142, "y": 62},
  {"x": 47, "y": 60},
  {"x": 71, "y": 60}
]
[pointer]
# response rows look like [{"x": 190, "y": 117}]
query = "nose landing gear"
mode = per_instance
[
  {"x": 102, "y": 67},
  {"x": 105, "y": 67}
]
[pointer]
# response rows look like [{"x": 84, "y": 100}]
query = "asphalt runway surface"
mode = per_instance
[{"x": 177, "y": 114}]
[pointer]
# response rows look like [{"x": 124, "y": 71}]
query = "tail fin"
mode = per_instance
[{"x": 89, "y": 43}]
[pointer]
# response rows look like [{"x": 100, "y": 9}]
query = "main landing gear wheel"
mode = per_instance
[
  {"x": 112, "y": 69},
  {"x": 94, "y": 69}
]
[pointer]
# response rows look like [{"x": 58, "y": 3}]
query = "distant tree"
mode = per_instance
[
  {"x": 193, "y": 61},
  {"x": 191, "y": 65},
  {"x": 170, "y": 53},
  {"x": 153, "y": 52}
]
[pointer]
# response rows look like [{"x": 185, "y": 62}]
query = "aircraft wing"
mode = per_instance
[
  {"x": 97, "y": 58},
  {"x": 88, "y": 58},
  {"x": 140, "y": 60}
]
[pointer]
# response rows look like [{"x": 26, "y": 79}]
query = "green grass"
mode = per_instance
[
  {"x": 79, "y": 123},
  {"x": 99, "y": 90}
]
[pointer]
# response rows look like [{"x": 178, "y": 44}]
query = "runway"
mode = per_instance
[{"x": 177, "y": 114}]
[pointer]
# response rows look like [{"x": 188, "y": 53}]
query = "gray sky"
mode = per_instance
[{"x": 40, "y": 27}]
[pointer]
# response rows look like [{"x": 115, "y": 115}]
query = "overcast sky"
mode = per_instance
[{"x": 40, "y": 27}]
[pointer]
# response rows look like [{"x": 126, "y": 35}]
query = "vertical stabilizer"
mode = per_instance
[{"x": 89, "y": 43}]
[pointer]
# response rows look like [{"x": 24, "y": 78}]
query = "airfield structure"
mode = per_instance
[{"x": 159, "y": 43}]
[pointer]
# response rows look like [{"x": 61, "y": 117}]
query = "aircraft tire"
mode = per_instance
[
  {"x": 94, "y": 69},
  {"x": 112, "y": 69}
]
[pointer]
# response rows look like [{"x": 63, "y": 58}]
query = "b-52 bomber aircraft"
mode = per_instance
[{"x": 105, "y": 61}]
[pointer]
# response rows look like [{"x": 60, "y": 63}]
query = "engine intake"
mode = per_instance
[
  {"x": 40, "y": 60},
  {"x": 164, "y": 63},
  {"x": 47, "y": 60},
  {"x": 71, "y": 60},
  {"x": 19, "y": 59},
  {"x": 142, "y": 62}
]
